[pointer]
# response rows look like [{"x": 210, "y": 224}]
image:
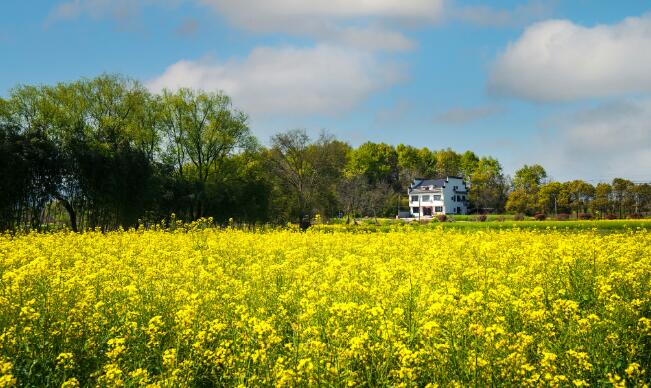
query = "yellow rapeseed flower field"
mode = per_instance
[{"x": 204, "y": 307}]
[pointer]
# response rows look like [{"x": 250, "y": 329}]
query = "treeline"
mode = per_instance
[
  {"x": 105, "y": 152},
  {"x": 532, "y": 193}
]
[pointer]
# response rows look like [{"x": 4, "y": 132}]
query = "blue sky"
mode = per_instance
[{"x": 561, "y": 83}]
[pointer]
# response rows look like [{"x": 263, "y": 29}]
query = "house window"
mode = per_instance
[
  {"x": 414, "y": 210},
  {"x": 438, "y": 209},
  {"x": 414, "y": 198},
  {"x": 464, "y": 197},
  {"x": 425, "y": 198},
  {"x": 437, "y": 197}
]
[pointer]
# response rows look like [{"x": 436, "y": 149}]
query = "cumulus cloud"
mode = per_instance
[
  {"x": 275, "y": 15},
  {"x": 361, "y": 24},
  {"x": 486, "y": 16},
  {"x": 323, "y": 79},
  {"x": 124, "y": 12},
  {"x": 368, "y": 38},
  {"x": 369, "y": 25},
  {"x": 612, "y": 139},
  {"x": 557, "y": 60},
  {"x": 462, "y": 115}
]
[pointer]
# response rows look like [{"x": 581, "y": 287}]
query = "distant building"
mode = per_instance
[{"x": 431, "y": 197}]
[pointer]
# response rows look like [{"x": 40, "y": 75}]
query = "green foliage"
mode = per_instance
[{"x": 105, "y": 152}]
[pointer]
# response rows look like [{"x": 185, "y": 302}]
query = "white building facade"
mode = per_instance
[{"x": 431, "y": 197}]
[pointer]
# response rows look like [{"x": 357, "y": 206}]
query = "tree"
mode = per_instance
[
  {"x": 622, "y": 195},
  {"x": 306, "y": 171},
  {"x": 376, "y": 198},
  {"x": 529, "y": 178},
  {"x": 488, "y": 188},
  {"x": 602, "y": 201},
  {"x": 581, "y": 194},
  {"x": 468, "y": 163},
  {"x": 351, "y": 192},
  {"x": 526, "y": 183},
  {"x": 551, "y": 198},
  {"x": 447, "y": 163},
  {"x": 240, "y": 189},
  {"x": 410, "y": 164},
  {"x": 519, "y": 201},
  {"x": 202, "y": 130},
  {"x": 428, "y": 162},
  {"x": 641, "y": 197},
  {"x": 377, "y": 161},
  {"x": 29, "y": 172}
]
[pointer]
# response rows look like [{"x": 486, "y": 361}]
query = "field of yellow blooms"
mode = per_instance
[{"x": 205, "y": 307}]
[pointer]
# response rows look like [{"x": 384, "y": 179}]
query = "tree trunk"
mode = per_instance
[{"x": 71, "y": 213}]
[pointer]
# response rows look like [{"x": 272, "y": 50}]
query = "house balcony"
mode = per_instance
[{"x": 438, "y": 202}]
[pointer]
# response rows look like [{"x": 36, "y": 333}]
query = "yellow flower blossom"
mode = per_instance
[{"x": 194, "y": 306}]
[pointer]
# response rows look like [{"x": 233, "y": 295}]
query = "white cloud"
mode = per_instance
[
  {"x": 361, "y": 23},
  {"x": 366, "y": 24},
  {"x": 369, "y": 38},
  {"x": 610, "y": 140},
  {"x": 462, "y": 115},
  {"x": 283, "y": 15},
  {"x": 324, "y": 79},
  {"x": 121, "y": 11},
  {"x": 486, "y": 16},
  {"x": 558, "y": 60}
]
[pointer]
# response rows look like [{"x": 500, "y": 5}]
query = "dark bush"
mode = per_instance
[
  {"x": 610, "y": 216},
  {"x": 635, "y": 216},
  {"x": 481, "y": 218},
  {"x": 540, "y": 217},
  {"x": 585, "y": 216},
  {"x": 518, "y": 217},
  {"x": 562, "y": 217},
  {"x": 442, "y": 217}
]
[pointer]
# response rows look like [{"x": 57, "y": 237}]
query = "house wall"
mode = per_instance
[
  {"x": 447, "y": 202},
  {"x": 452, "y": 205}
]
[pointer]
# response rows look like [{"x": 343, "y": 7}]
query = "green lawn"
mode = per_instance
[{"x": 385, "y": 225}]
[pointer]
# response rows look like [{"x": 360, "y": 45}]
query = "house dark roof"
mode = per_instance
[
  {"x": 416, "y": 187},
  {"x": 430, "y": 182}
]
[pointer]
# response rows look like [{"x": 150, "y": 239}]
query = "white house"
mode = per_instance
[{"x": 431, "y": 197}]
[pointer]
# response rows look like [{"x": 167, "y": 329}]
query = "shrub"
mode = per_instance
[
  {"x": 442, "y": 217},
  {"x": 610, "y": 216},
  {"x": 635, "y": 216},
  {"x": 518, "y": 217},
  {"x": 481, "y": 218},
  {"x": 540, "y": 217},
  {"x": 500, "y": 218},
  {"x": 562, "y": 217},
  {"x": 585, "y": 216}
]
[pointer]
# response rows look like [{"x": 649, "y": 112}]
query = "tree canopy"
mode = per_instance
[{"x": 106, "y": 152}]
